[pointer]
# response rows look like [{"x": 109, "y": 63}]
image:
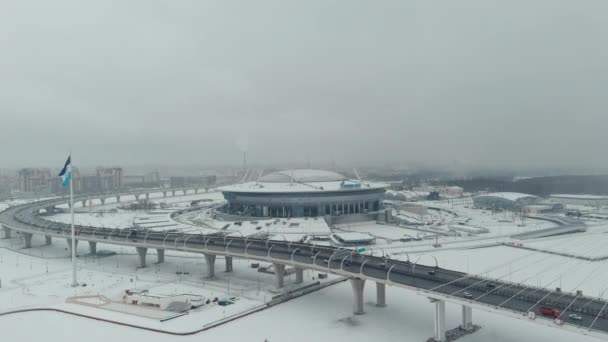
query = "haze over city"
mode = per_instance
[
  {"x": 485, "y": 83},
  {"x": 321, "y": 170}
]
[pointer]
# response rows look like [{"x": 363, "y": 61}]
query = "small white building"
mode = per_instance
[
  {"x": 448, "y": 191},
  {"x": 164, "y": 302},
  {"x": 353, "y": 239},
  {"x": 588, "y": 200}
]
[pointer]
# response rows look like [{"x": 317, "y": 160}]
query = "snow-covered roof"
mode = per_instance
[
  {"x": 582, "y": 197},
  {"x": 353, "y": 236},
  {"x": 301, "y": 176},
  {"x": 271, "y": 187},
  {"x": 511, "y": 196},
  {"x": 313, "y": 225}
]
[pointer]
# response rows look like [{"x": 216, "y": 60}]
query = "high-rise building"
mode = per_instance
[
  {"x": 152, "y": 177},
  {"x": 36, "y": 180},
  {"x": 109, "y": 178}
]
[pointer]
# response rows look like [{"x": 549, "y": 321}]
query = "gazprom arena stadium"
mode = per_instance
[{"x": 303, "y": 193}]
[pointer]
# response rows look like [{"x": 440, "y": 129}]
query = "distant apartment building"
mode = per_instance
[
  {"x": 102, "y": 181},
  {"x": 449, "y": 191},
  {"x": 35, "y": 180},
  {"x": 178, "y": 182},
  {"x": 150, "y": 179},
  {"x": 109, "y": 178}
]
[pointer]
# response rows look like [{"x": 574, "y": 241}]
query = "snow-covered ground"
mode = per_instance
[
  {"x": 325, "y": 315},
  {"x": 40, "y": 277}
]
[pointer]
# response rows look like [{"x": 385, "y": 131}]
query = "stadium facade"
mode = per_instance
[{"x": 303, "y": 193}]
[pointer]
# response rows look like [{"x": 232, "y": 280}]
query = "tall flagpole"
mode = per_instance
[{"x": 74, "y": 281}]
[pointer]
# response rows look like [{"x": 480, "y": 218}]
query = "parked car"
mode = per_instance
[
  {"x": 575, "y": 317},
  {"x": 549, "y": 311},
  {"x": 467, "y": 295}
]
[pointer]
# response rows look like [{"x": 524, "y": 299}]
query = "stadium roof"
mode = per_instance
[
  {"x": 301, "y": 176},
  {"x": 512, "y": 196},
  {"x": 303, "y": 181}
]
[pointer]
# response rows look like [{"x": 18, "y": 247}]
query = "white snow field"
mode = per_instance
[{"x": 40, "y": 277}]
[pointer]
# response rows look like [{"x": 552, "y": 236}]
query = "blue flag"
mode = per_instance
[{"x": 66, "y": 172}]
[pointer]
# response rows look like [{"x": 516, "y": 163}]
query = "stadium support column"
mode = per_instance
[
  {"x": 7, "y": 232},
  {"x": 103, "y": 201},
  {"x": 228, "y": 263},
  {"x": 28, "y": 239},
  {"x": 358, "y": 284},
  {"x": 467, "y": 318},
  {"x": 299, "y": 275},
  {"x": 380, "y": 294},
  {"x": 147, "y": 196},
  {"x": 117, "y": 199},
  {"x": 92, "y": 247},
  {"x": 164, "y": 194},
  {"x": 279, "y": 275},
  {"x": 160, "y": 255},
  {"x": 210, "y": 259},
  {"x": 141, "y": 252},
  {"x": 439, "y": 334},
  {"x": 48, "y": 240},
  {"x": 84, "y": 203}
]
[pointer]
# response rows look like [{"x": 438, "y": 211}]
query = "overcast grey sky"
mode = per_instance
[{"x": 515, "y": 82}]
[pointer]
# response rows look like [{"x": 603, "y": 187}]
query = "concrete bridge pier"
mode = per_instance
[
  {"x": 48, "y": 240},
  {"x": 93, "y": 247},
  {"x": 7, "y": 232},
  {"x": 160, "y": 255},
  {"x": 228, "y": 263},
  {"x": 467, "y": 318},
  {"x": 141, "y": 252},
  {"x": 210, "y": 259},
  {"x": 439, "y": 334},
  {"x": 279, "y": 275},
  {"x": 358, "y": 284},
  {"x": 380, "y": 295},
  {"x": 299, "y": 275},
  {"x": 28, "y": 239},
  {"x": 69, "y": 241}
]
